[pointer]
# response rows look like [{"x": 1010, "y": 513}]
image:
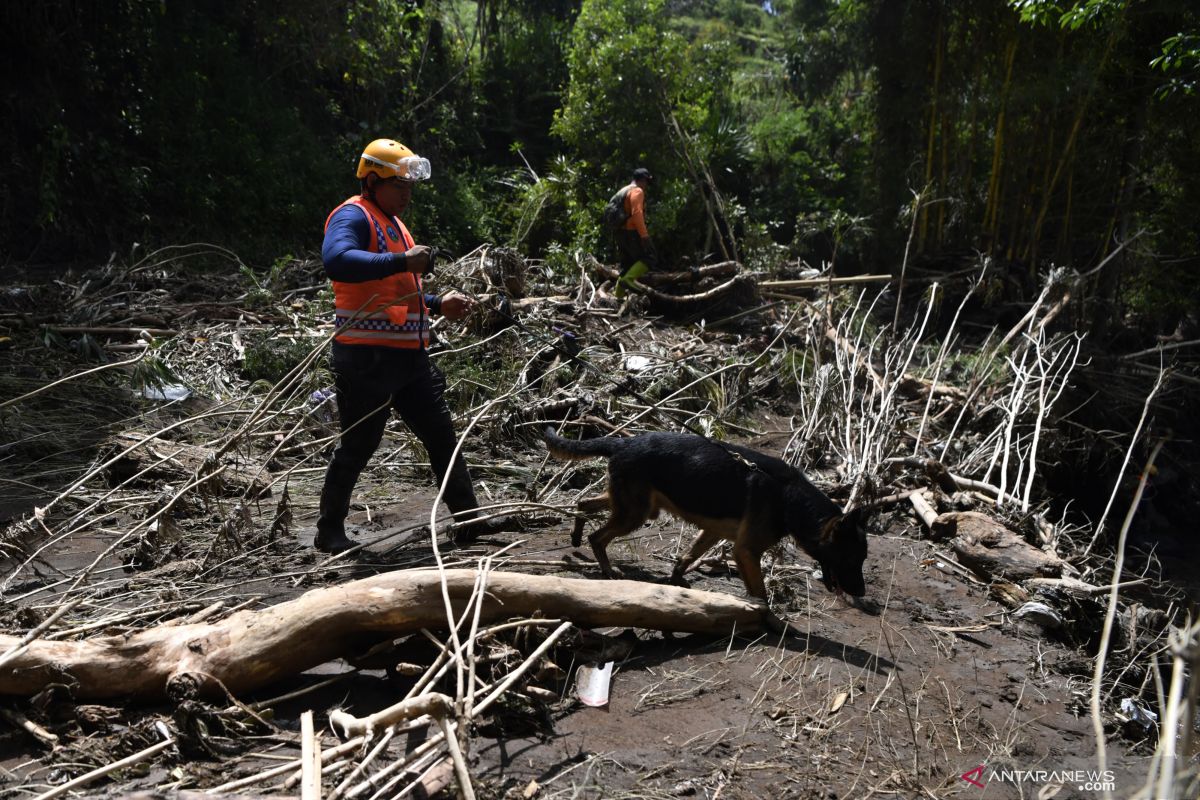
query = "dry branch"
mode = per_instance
[
  {"x": 254, "y": 648},
  {"x": 433, "y": 704}
]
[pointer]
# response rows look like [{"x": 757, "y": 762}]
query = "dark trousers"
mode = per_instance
[
  {"x": 371, "y": 383},
  {"x": 630, "y": 250}
]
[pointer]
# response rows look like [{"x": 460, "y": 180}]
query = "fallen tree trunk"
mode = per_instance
[
  {"x": 725, "y": 269},
  {"x": 992, "y": 550},
  {"x": 255, "y": 648}
]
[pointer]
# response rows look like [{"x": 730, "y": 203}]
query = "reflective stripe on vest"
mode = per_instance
[{"x": 390, "y": 311}]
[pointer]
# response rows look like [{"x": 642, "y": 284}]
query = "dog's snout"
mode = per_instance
[{"x": 841, "y": 580}]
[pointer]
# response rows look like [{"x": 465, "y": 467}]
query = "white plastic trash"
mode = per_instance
[
  {"x": 637, "y": 363},
  {"x": 591, "y": 684},
  {"x": 1138, "y": 713},
  {"x": 167, "y": 391}
]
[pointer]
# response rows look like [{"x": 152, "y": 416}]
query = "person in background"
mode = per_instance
[
  {"x": 634, "y": 248},
  {"x": 379, "y": 356}
]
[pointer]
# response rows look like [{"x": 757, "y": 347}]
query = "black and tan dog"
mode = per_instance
[{"x": 729, "y": 492}]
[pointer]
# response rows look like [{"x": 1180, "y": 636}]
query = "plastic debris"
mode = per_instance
[
  {"x": 1138, "y": 713},
  {"x": 167, "y": 391},
  {"x": 591, "y": 684},
  {"x": 1039, "y": 614}
]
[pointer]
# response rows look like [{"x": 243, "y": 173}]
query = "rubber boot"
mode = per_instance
[
  {"x": 331, "y": 526},
  {"x": 637, "y": 270},
  {"x": 460, "y": 499}
]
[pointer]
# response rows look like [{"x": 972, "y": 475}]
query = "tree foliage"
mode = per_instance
[{"x": 1036, "y": 131}]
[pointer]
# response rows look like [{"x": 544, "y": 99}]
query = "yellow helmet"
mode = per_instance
[{"x": 388, "y": 158}]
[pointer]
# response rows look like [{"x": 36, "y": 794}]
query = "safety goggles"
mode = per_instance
[{"x": 411, "y": 168}]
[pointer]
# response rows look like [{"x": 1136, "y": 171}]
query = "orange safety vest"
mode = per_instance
[
  {"x": 391, "y": 311},
  {"x": 635, "y": 210}
]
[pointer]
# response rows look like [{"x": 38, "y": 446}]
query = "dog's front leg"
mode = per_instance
[
  {"x": 752, "y": 541},
  {"x": 700, "y": 546},
  {"x": 750, "y": 568}
]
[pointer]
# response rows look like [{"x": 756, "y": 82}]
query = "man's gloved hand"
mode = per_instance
[
  {"x": 418, "y": 259},
  {"x": 456, "y": 306}
]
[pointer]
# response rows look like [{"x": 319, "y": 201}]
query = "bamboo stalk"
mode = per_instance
[
  {"x": 939, "y": 47},
  {"x": 1074, "y": 134},
  {"x": 925, "y": 511},
  {"x": 991, "y": 216},
  {"x": 298, "y": 763},
  {"x": 808, "y": 283}
]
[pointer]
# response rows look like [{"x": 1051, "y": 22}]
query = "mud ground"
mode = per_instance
[{"x": 898, "y": 696}]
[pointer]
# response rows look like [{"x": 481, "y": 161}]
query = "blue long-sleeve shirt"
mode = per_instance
[{"x": 347, "y": 258}]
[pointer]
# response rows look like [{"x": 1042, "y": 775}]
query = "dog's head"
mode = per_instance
[{"x": 841, "y": 551}]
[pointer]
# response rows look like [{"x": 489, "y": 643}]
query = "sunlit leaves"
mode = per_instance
[{"x": 1180, "y": 61}]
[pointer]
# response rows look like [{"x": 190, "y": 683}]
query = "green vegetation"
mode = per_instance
[
  {"x": 1035, "y": 131},
  {"x": 270, "y": 358}
]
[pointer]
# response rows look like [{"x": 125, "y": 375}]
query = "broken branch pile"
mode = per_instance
[{"x": 178, "y": 542}]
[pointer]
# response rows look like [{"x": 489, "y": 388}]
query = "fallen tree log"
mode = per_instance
[
  {"x": 724, "y": 269},
  {"x": 992, "y": 550},
  {"x": 251, "y": 649}
]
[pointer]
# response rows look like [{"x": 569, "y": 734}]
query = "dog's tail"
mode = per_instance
[{"x": 572, "y": 450}]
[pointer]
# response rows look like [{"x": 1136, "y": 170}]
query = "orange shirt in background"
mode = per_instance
[{"x": 635, "y": 204}]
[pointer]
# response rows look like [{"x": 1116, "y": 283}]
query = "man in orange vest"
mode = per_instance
[
  {"x": 379, "y": 356},
  {"x": 634, "y": 248}
]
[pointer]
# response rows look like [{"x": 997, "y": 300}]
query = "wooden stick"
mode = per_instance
[
  {"x": 832, "y": 335},
  {"x": 519, "y": 671},
  {"x": 88, "y": 777},
  {"x": 310, "y": 759},
  {"x": 1076, "y": 587},
  {"x": 1111, "y": 611}
]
